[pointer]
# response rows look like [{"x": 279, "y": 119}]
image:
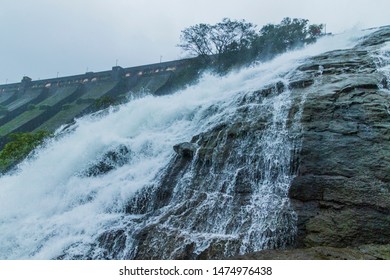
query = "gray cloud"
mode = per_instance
[{"x": 43, "y": 37}]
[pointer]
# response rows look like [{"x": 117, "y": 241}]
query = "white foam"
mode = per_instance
[{"x": 47, "y": 206}]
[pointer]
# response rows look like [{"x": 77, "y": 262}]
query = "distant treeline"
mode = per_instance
[{"x": 239, "y": 42}]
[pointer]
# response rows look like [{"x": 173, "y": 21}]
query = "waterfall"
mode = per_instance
[
  {"x": 110, "y": 186},
  {"x": 382, "y": 61}
]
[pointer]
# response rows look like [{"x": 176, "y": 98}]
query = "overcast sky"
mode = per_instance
[{"x": 42, "y": 37}]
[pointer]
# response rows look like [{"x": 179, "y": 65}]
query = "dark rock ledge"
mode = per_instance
[{"x": 342, "y": 190}]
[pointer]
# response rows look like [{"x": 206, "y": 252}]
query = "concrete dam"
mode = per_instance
[{"x": 47, "y": 104}]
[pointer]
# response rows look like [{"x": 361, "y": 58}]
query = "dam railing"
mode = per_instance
[{"x": 116, "y": 73}]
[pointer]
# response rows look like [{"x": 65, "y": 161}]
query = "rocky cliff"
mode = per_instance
[
  {"x": 288, "y": 159},
  {"x": 341, "y": 193}
]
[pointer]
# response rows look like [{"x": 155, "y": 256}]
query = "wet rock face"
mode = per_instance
[
  {"x": 109, "y": 161},
  {"x": 216, "y": 197},
  {"x": 304, "y": 163},
  {"x": 342, "y": 190},
  {"x": 365, "y": 252},
  {"x": 185, "y": 150}
]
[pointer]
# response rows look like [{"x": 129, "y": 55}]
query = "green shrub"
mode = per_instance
[
  {"x": 104, "y": 102},
  {"x": 19, "y": 147}
]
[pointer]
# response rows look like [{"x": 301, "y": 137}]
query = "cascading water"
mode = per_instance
[
  {"x": 382, "y": 60},
  {"x": 112, "y": 186}
]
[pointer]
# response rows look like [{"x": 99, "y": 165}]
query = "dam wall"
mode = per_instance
[
  {"x": 33, "y": 105},
  {"x": 116, "y": 73}
]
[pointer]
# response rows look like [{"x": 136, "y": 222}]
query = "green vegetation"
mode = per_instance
[
  {"x": 289, "y": 34},
  {"x": 19, "y": 147},
  {"x": 104, "y": 102},
  {"x": 236, "y": 43},
  {"x": 226, "y": 36}
]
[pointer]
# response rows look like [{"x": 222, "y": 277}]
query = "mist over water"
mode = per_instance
[{"x": 48, "y": 205}]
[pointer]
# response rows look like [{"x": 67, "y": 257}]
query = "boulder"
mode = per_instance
[{"x": 186, "y": 150}]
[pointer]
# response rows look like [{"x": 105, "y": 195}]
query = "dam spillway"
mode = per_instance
[{"x": 47, "y": 104}]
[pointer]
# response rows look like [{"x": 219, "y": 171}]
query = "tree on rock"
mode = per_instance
[
  {"x": 196, "y": 39},
  {"x": 232, "y": 35},
  {"x": 315, "y": 31},
  {"x": 236, "y": 43},
  {"x": 289, "y": 34},
  {"x": 226, "y": 36}
]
